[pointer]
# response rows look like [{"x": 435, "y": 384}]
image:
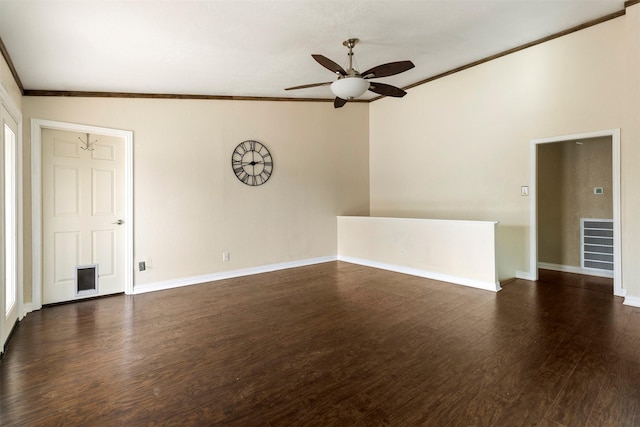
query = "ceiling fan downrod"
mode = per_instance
[{"x": 350, "y": 44}]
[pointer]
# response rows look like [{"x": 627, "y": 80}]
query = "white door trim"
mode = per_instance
[
  {"x": 36, "y": 199},
  {"x": 533, "y": 212},
  {"x": 13, "y": 110}
]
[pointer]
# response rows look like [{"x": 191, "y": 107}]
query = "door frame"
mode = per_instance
[
  {"x": 36, "y": 198},
  {"x": 618, "y": 290},
  {"x": 11, "y": 108}
]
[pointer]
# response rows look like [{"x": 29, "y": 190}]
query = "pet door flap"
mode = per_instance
[{"x": 86, "y": 279}]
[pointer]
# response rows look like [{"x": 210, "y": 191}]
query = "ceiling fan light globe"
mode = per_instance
[{"x": 349, "y": 87}]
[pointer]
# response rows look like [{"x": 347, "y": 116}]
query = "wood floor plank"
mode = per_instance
[
  {"x": 566, "y": 356},
  {"x": 531, "y": 405},
  {"x": 613, "y": 409},
  {"x": 330, "y": 344},
  {"x": 576, "y": 400}
]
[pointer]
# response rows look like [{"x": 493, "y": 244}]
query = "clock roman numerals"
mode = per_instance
[{"x": 252, "y": 163}]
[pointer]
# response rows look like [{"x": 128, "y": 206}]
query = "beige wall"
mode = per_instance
[
  {"x": 567, "y": 175},
  {"x": 550, "y": 203},
  {"x": 459, "y": 147},
  {"x": 190, "y": 207}
]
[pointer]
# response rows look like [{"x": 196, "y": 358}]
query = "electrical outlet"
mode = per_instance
[
  {"x": 142, "y": 266},
  {"x": 225, "y": 256}
]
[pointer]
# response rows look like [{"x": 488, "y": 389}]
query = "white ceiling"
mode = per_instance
[{"x": 257, "y": 48}]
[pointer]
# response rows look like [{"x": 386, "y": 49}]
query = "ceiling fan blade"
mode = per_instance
[
  {"x": 309, "y": 85},
  {"x": 329, "y": 64},
  {"x": 339, "y": 103},
  {"x": 386, "y": 70},
  {"x": 386, "y": 90}
]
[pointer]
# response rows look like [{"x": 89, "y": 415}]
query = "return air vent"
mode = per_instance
[{"x": 596, "y": 236}]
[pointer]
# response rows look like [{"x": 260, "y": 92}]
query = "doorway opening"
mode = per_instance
[{"x": 540, "y": 148}]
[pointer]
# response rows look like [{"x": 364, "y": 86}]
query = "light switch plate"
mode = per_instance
[{"x": 524, "y": 190}]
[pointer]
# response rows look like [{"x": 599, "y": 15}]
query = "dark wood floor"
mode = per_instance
[{"x": 331, "y": 344}]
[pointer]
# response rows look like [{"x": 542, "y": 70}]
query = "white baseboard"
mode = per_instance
[
  {"x": 574, "y": 269},
  {"x": 525, "y": 275},
  {"x": 26, "y": 309},
  {"x": 488, "y": 286},
  {"x": 632, "y": 301},
  {"x": 195, "y": 280}
]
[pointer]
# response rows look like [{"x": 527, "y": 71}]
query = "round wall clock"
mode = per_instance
[{"x": 252, "y": 163}]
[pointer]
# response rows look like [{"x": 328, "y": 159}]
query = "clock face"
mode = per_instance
[{"x": 252, "y": 163}]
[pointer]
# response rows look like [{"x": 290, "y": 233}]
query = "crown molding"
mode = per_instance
[
  {"x": 14, "y": 73},
  {"x": 89, "y": 94}
]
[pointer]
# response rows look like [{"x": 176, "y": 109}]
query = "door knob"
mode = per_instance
[{"x": 118, "y": 222}]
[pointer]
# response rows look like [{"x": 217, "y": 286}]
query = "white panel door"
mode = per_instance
[
  {"x": 8, "y": 231},
  {"x": 83, "y": 207}
]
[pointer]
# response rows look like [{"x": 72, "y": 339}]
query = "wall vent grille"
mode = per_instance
[{"x": 596, "y": 236}]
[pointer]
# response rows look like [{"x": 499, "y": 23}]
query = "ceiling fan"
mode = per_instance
[{"x": 351, "y": 83}]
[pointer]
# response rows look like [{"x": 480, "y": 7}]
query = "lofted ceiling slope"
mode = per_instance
[{"x": 256, "y": 48}]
